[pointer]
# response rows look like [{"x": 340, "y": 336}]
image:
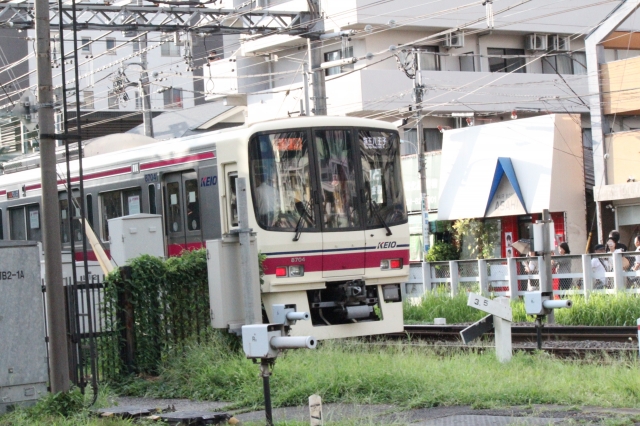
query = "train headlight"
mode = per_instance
[
  {"x": 290, "y": 271},
  {"x": 387, "y": 264},
  {"x": 296, "y": 271}
]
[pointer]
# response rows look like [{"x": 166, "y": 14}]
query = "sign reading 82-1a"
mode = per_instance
[{"x": 490, "y": 306}]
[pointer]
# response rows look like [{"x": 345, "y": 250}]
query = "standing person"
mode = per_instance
[
  {"x": 531, "y": 268},
  {"x": 598, "y": 268},
  {"x": 635, "y": 281},
  {"x": 615, "y": 236},
  {"x": 268, "y": 199},
  {"x": 563, "y": 266}
]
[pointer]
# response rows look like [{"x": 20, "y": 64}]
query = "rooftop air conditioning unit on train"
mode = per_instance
[
  {"x": 535, "y": 42},
  {"x": 559, "y": 43},
  {"x": 453, "y": 40}
]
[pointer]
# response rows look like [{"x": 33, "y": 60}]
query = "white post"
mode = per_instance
[
  {"x": 503, "y": 334},
  {"x": 453, "y": 273},
  {"x": 618, "y": 277},
  {"x": 587, "y": 275},
  {"x": 315, "y": 410},
  {"x": 639, "y": 336},
  {"x": 426, "y": 277},
  {"x": 512, "y": 270},
  {"x": 483, "y": 278}
]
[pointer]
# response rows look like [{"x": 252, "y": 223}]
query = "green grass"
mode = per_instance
[
  {"x": 408, "y": 376},
  {"x": 597, "y": 310},
  {"x": 65, "y": 409}
]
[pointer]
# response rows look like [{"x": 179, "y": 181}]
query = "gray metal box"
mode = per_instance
[
  {"x": 23, "y": 354},
  {"x": 134, "y": 235},
  {"x": 225, "y": 284}
]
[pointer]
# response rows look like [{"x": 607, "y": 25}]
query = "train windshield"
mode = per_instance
[
  {"x": 351, "y": 195},
  {"x": 381, "y": 174},
  {"x": 281, "y": 180}
]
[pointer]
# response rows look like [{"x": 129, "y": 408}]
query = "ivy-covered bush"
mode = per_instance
[
  {"x": 441, "y": 251},
  {"x": 169, "y": 302}
]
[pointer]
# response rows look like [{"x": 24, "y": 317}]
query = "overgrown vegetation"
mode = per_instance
[
  {"x": 477, "y": 237},
  {"x": 597, "y": 310},
  {"x": 165, "y": 302},
  {"x": 441, "y": 250},
  {"x": 64, "y": 409},
  {"x": 354, "y": 371}
]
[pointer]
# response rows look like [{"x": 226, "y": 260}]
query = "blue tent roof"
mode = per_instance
[{"x": 505, "y": 167}]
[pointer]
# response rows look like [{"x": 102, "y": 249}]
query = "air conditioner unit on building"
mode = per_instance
[
  {"x": 559, "y": 43},
  {"x": 536, "y": 42},
  {"x": 453, "y": 40}
]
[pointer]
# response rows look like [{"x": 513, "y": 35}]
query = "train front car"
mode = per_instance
[{"x": 330, "y": 213}]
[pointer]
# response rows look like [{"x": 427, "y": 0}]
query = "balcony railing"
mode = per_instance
[{"x": 513, "y": 277}]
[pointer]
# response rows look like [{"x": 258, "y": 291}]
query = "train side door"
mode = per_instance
[
  {"x": 343, "y": 239},
  {"x": 182, "y": 212}
]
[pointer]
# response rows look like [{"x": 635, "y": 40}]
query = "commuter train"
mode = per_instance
[{"x": 325, "y": 198}]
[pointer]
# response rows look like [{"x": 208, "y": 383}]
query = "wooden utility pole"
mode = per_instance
[{"x": 50, "y": 217}]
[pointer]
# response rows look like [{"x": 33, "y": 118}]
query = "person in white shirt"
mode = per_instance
[{"x": 598, "y": 268}]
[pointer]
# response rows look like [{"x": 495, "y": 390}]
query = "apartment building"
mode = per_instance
[{"x": 517, "y": 59}]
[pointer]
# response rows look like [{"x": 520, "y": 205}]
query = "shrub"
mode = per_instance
[{"x": 441, "y": 251}]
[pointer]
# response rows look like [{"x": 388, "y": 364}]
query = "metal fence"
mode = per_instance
[{"x": 572, "y": 274}]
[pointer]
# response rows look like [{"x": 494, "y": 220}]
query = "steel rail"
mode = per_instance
[{"x": 527, "y": 333}]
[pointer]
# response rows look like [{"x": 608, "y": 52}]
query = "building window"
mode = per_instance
[
  {"x": 114, "y": 102},
  {"x": 432, "y": 140},
  {"x": 557, "y": 64},
  {"x": 169, "y": 48},
  {"x": 111, "y": 45},
  {"x": 579, "y": 63},
  {"x": 501, "y": 62},
  {"x": 173, "y": 98},
  {"x": 86, "y": 44},
  {"x": 87, "y": 96},
  {"x": 429, "y": 59},
  {"x": 467, "y": 62},
  {"x": 335, "y": 56}
]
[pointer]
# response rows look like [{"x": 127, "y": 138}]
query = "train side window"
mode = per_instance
[
  {"x": 1, "y": 230},
  {"x": 17, "y": 224},
  {"x": 131, "y": 200},
  {"x": 64, "y": 221},
  {"x": 25, "y": 223},
  {"x": 34, "y": 230},
  {"x": 116, "y": 204},
  {"x": 111, "y": 207},
  {"x": 233, "y": 198},
  {"x": 173, "y": 215},
  {"x": 192, "y": 203},
  {"x": 89, "y": 205},
  {"x": 152, "y": 199}
]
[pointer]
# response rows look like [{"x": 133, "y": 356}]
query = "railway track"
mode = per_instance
[{"x": 521, "y": 334}]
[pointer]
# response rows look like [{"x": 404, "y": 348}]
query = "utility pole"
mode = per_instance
[
  {"x": 418, "y": 90},
  {"x": 314, "y": 47},
  {"x": 58, "y": 355},
  {"x": 145, "y": 89}
]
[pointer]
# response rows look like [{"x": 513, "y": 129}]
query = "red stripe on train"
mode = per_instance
[
  {"x": 172, "y": 161},
  {"x": 127, "y": 169},
  {"x": 3, "y": 192},
  {"x": 177, "y": 249},
  {"x": 336, "y": 262},
  {"x": 91, "y": 256}
]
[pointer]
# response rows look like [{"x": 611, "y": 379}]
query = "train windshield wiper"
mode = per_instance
[
  {"x": 376, "y": 211},
  {"x": 303, "y": 210}
]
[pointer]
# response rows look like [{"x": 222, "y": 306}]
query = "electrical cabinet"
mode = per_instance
[
  {"x": 23, "y": 357},
  {"x": 134, "y": 235}
]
